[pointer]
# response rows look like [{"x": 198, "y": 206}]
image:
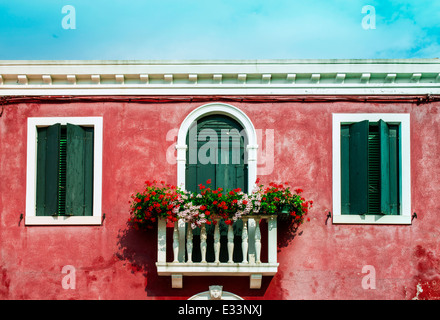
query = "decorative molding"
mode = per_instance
[
  {"x": 340, "y": 77},
  {"x": 217, "y": 78},
  {"x": 71, "y": 78},
  {"x": 168, "y": 78},
  {"x": 143, "y": 78},
  {"x": 47, "y": 79},
  {"x": 291, "y": 77},
  {"x": 119, "y": 78},
  {"x": 315, "y": 78},
  {"x": 416, "y": 77},
  {"x": 22, "y": 79},
  {"x": 391, "y": 77},
  {"x": 365, "y": 77},
  {"x": 265, "y": 78},
  {"x": 192, "y": 78},
  {"x": 96, "y": 78},
  {"x": 241, "y": 78},
  {"x": 235, "y": 77}
]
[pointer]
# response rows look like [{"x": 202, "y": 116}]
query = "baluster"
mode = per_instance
[
  {"x": 272, "y": 239},
  {"x": 230, "y": 243},
  {"x": 244, "y": 241},
  {"x": 161, "y": 240},
  {"x": 217, "y": 241},
  {"x": 189, "y": 243},
  {"x": 176, "y": 242},
  {"x": 203, "y": 237},
  {"x": 257, "y": 240}
]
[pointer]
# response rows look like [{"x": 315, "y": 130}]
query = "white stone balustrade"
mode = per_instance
[{"x": 182, "y": 263}]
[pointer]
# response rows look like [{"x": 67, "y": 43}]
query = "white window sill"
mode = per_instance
[
  {"x": 371, "y": 219},
  {"x": 62, "y": 220}
]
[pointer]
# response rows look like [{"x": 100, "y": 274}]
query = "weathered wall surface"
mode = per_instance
[{"x": 325, "y": 261}]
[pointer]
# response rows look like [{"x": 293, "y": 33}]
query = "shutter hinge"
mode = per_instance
[
  {"x": 414, "y": 216},
  {"x": 329, "y": 215}
]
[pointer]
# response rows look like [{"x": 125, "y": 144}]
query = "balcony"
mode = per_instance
[{"x": 238, "y": 250}]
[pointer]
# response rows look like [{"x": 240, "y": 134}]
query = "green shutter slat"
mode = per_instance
[
  {"x": 345, "y": 172},
  {"x": 79, "y": 171},
  {"x": 358, "y": 167}
]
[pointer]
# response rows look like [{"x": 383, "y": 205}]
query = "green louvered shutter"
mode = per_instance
[
  {"x": 231, "y": 170},
  {"x": 345, "y": 172},
  {"x": 389, "y": 168},
  {"x": 358, "y": 167},
  {"x": 88, "y": 170},
  {"x": 227, "y": 168},
  {"x": 384, "y": 137},
  {"x": 48, "y": 150},
  {"x": 394, "y": 170},
  {"x": 79, "y": 171}
]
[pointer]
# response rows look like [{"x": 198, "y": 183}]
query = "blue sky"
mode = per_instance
[{"x": 213, "y": 29}]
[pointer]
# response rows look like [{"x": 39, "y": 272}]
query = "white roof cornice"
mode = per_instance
[{"x": 215, "y": 77}]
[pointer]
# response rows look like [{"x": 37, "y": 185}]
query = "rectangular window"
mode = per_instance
[
  {"x": 64, "y": 171},
  {"x": 371, "y": 172}
]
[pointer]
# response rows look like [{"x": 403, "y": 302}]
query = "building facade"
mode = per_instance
[{"x": 358, "y": 137}]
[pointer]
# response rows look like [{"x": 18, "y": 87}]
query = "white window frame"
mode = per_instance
[
  {"x": 401, "y": 119},
  {"x": 31, "y": 175}
]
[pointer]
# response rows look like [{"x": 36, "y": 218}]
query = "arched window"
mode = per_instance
[
  {"x": 216, "y": 150},
  {"x": 217, "y": 141}
]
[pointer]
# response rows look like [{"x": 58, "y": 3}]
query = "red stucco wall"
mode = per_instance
[{"x": 324, "y": 262}]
